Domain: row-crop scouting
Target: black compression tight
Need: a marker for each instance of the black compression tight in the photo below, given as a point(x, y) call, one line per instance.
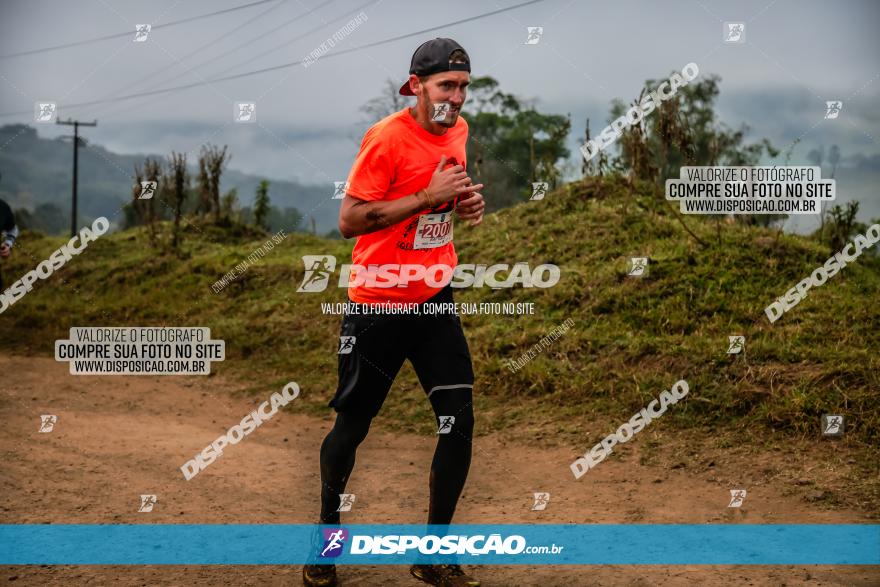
point(449, 469)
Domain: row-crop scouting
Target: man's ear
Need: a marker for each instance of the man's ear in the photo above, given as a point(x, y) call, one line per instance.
point(417, 87)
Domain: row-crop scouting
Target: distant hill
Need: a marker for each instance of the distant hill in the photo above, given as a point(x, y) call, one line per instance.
point(39, 170)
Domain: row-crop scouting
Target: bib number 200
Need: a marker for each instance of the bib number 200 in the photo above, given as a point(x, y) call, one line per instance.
point(436, 230)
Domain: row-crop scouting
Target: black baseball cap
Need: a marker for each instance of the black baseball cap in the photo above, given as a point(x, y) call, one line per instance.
point(433, 57)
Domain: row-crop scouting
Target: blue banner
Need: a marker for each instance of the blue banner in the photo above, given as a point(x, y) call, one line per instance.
point(473, 544)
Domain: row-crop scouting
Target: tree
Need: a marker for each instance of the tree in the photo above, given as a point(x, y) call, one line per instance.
point(177, 182)
point(145, 208)
point(816, 157)
point(840, 226)
point(389, 102)
point(598, 164)
point(684, 130)
point(510, 144)
point(215, 159)
point(204, 188)
point(229, 204)
point(261, 204)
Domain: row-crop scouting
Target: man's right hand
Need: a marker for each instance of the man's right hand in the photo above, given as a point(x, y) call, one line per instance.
point(5, 249)
point(447, 184)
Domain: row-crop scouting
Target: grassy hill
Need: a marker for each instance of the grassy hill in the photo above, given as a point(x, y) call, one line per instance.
point(632, 337)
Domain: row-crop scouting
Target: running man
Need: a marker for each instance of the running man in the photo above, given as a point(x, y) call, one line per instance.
point(406, 181)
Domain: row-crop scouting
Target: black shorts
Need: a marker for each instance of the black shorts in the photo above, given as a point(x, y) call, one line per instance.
point(434, 344)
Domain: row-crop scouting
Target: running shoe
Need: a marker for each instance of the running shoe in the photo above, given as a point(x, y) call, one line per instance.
point(443, 575)
point(319, 575)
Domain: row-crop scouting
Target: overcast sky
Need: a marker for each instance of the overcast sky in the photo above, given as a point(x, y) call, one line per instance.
point(796, 55)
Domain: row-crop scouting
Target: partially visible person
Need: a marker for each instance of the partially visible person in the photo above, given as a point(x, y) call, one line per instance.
point(8, 234)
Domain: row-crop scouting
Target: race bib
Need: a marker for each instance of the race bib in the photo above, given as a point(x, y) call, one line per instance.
point(434, 230)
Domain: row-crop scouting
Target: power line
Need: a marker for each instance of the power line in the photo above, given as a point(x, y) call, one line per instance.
point(287, 42)
point(149, 77)
point(130, 33)
point(123, 109)
point(248, 42)
point(287, 65)
point(252, 39)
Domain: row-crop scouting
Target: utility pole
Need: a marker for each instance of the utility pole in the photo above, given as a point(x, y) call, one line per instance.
point(76, 124)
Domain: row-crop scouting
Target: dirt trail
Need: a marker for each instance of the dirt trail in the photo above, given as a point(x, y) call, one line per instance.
point(122, 436)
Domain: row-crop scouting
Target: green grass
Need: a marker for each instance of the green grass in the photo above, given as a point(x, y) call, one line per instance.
point(632, 338)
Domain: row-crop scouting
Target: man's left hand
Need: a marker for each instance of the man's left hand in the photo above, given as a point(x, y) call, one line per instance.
point(471, 208)
point(5, 249)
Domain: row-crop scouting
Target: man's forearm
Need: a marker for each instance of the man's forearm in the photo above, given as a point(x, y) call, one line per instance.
point(367, 217)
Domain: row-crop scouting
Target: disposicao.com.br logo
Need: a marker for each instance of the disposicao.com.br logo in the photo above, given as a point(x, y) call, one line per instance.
point(334, 540)
point(55, 262)
point(320, 268)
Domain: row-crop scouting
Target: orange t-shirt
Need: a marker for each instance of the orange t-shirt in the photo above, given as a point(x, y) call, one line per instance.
point(397, 158)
